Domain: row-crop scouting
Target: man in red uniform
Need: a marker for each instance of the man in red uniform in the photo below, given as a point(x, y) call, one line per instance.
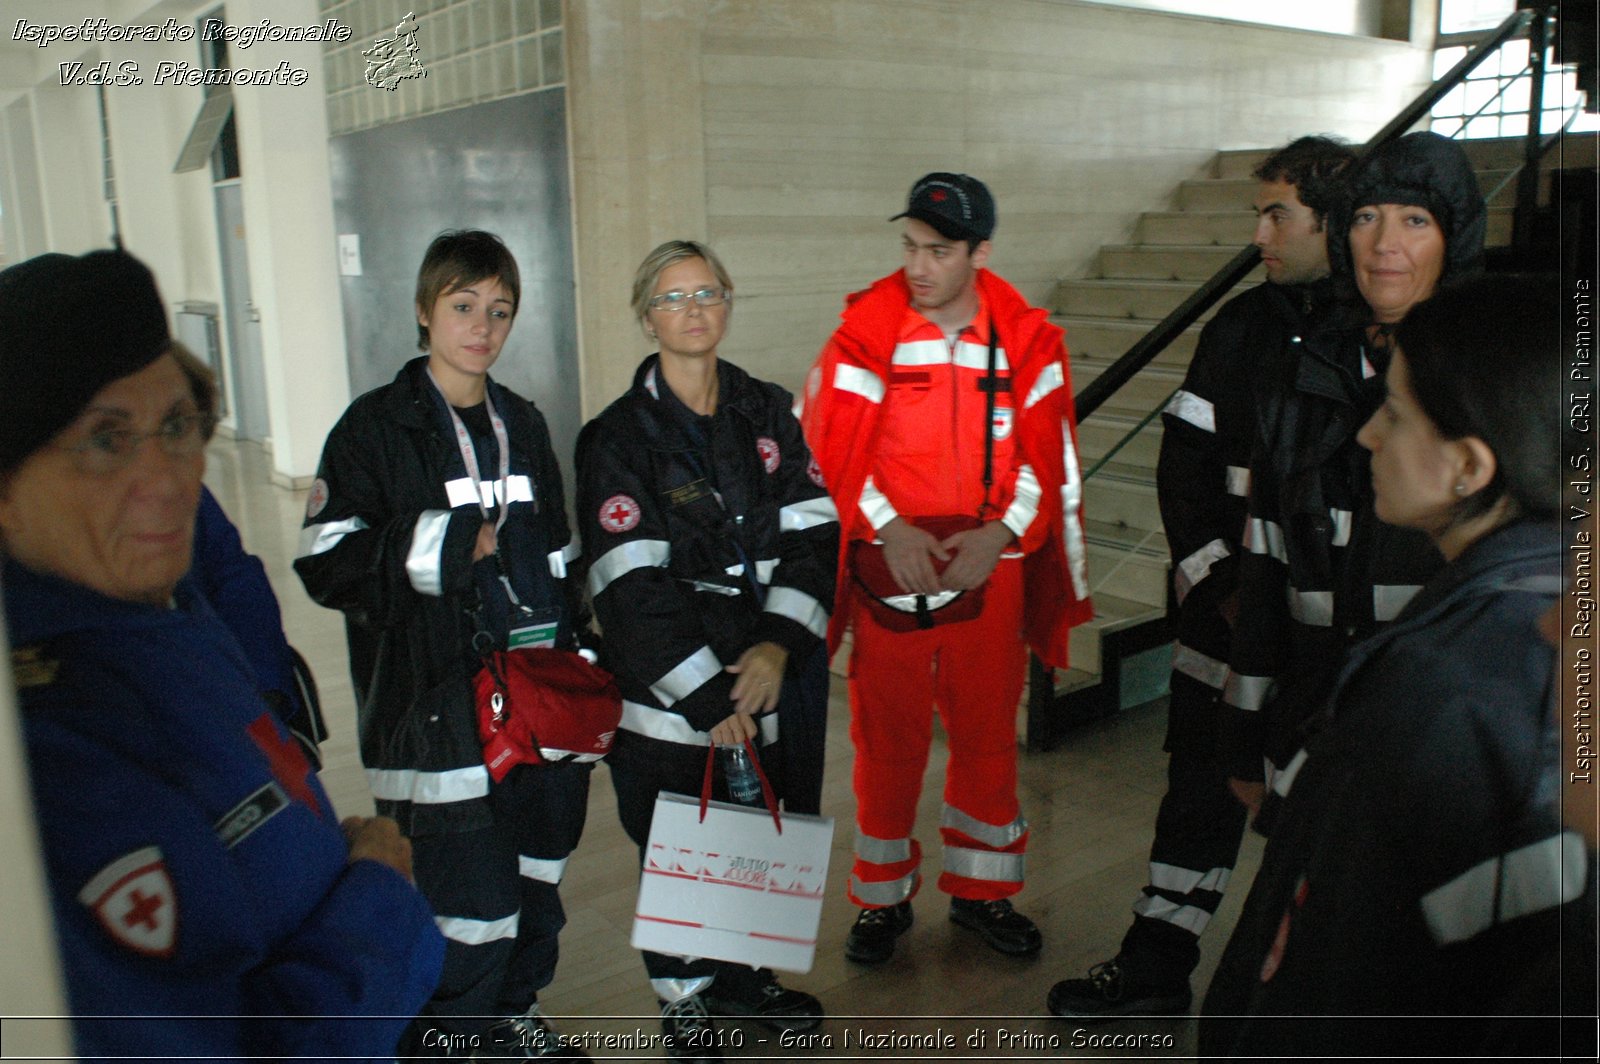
point(940, 414)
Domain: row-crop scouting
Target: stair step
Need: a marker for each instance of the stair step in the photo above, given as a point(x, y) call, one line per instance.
point(1074, 679)
point(1107, 429)
point(1239, 163)
point(1089, 336)
point(1149, 388)
point(1485, 154)
point(1111, 614)
point(1129, 563)
point(1230, 228)
point(1218, 194)
point(1152, 300)
point(1129, 501)
point(1168, 262)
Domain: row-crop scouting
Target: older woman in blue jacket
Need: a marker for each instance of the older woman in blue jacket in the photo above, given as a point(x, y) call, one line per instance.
point(208, 902)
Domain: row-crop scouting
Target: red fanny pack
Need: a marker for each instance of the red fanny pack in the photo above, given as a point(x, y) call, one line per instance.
point(537, 704)
point(902, 611)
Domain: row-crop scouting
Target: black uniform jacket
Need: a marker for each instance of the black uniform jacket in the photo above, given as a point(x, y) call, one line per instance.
point(388, 538)
point(1203, 479)
point(1319, 572)
point(702, 536)
point(1419, 866)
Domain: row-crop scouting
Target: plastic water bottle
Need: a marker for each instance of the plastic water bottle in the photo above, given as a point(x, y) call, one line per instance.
point(744, 786)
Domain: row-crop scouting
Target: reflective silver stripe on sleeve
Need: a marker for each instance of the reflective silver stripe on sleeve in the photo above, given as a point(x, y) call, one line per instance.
point(984, 864)
point(1198, 666)
point(1071, 503)
point(686, 677)
point(1543, 875)
point(1341, 527)
point(1284, 780)
point(1187, 406)
point(673, 728)
point(921, 353)
point(476, 932)
point(859, 381)
point(799, 516)
point(1189, 917)
point(424, 561)
point(460, 491)
point(1024, 502)
point(428, 788)
point(518, 488)
point(883, 894)
point(881, 851)
point(1197, 566)
point(560, 559)
point(1237, 480)
point(315, 539)
point(765, 567)
point(875, 505)
point(1049, 379)
point(1187, 880)
point(670, 990)
point(1246, 692)
point(541, 868)
point(976, 356)
point(1311, 607)
point(800, 608)
point(996, 835)
point(1389, 599)
point(1265, 537)
point(715, 589)
point(624, 558)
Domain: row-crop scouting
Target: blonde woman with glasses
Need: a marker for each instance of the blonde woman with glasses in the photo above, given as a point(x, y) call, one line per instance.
point(710, 546)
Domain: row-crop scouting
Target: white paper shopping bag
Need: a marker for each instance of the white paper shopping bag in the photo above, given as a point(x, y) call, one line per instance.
point(732, 888)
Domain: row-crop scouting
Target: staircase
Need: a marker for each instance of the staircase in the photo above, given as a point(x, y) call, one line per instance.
point(1123, 656)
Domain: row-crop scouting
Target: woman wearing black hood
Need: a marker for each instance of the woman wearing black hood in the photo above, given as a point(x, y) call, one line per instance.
point(1320, 572)
point(1415, 866)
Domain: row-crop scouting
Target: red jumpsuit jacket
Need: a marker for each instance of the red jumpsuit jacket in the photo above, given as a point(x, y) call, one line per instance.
point(841, 417)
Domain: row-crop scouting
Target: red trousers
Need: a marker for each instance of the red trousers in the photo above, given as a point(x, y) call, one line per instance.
point(972, 673)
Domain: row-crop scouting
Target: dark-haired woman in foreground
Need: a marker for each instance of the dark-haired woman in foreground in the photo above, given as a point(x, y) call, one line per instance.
point(1419, 864)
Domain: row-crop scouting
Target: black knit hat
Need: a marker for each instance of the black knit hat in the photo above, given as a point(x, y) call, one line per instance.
point(69, 327)
point(958, 206)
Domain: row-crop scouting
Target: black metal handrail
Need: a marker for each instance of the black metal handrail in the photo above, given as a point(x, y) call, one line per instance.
point(1152, 343)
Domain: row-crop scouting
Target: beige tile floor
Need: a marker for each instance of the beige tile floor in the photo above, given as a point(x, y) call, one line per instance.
point(1091, 804)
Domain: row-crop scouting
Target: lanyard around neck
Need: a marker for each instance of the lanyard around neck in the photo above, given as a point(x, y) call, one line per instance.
point(469, 458)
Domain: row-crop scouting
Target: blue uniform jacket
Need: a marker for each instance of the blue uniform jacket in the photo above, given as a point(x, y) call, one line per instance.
point(195, 866)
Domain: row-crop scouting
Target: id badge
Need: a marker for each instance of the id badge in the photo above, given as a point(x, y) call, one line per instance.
point(536, 628)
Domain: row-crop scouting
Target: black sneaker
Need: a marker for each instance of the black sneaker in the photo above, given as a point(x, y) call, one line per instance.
point(526, 1037)
point(871, 940)
point(1001, 926)
point(769, 1003)
point(690, 1032)
point(1107, 993)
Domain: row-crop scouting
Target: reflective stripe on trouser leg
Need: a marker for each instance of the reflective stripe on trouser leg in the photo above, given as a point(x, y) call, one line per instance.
point(470, 880)
point(885, 871)
point(1198, 831)
point(982, 860)
point(543, 808)
point(891, 727)
point(979, 670)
